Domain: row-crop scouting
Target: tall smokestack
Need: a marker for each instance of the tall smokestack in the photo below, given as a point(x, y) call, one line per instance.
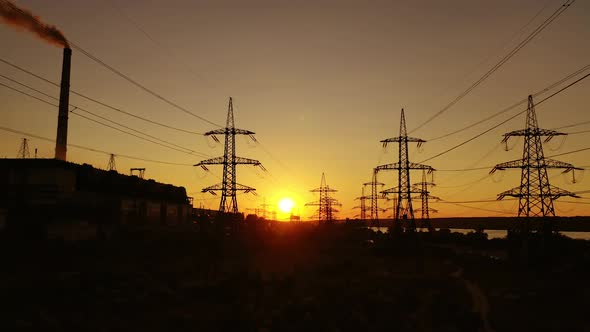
point(61, 142)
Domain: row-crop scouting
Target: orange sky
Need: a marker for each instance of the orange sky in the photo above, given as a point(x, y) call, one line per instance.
point(320, 82)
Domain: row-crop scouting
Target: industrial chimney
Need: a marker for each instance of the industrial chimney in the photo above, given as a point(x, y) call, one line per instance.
point(61, 142)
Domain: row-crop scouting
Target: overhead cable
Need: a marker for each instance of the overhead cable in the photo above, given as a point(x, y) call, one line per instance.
point(505, 121)
point(117, 109)
point(92, 149)
point(507, 57)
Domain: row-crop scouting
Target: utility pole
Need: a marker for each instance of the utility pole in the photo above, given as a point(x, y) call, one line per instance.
point(326, 203)
point(229, 187)
point(404, 212)
point(112, 166)
point(535, 194)
point(23, 151)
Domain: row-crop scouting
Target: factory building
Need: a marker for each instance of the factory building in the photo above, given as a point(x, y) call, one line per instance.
point(51, 196)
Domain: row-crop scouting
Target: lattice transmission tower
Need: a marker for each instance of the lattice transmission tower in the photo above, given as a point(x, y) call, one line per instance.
point(375, 197)
point(424, 197)
point(403, 210)
point(229, 187)
point(326, 203)
point(263, 210)
point(535, 194)
point(23, 151)
point(140, 171)
point(112, 165)
point(363, 205)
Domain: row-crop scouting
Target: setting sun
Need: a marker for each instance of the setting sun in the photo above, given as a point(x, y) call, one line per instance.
point(286, 204)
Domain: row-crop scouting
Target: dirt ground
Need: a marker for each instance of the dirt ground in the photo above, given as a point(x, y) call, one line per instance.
point(290, 278)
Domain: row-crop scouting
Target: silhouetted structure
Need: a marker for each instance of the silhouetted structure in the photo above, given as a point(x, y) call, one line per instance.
point(535, 194)
point(112, 166)
point(326, 203)
point(139, 170)
point(228, 186)
point(23, 151)
point(404, 209)
point(363, 206)
point(50, 195)
point(424, 198)
point(61, 141)
point(263, 211)
point(375, 197)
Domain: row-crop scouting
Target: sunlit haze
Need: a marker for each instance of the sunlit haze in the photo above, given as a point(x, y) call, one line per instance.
point(321, 83)
point(286, 205)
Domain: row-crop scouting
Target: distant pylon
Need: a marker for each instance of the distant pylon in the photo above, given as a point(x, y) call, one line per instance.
point(265, 207)
point(363, 206)
point(326, 203)
point(404, 210)
point(535, 194)
point(228, 186)
point(23, 151)
point(375, 197)
point(112, 166)
point(424, 198)
point(263, 210)
point(140, 171)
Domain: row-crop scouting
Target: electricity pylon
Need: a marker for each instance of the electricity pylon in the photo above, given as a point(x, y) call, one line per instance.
point(326, 203)
point(535, 194)
point(263, 210)
point(404, 210)
point(23, 151)
point(112, 166)
point(363, 205)
point(374, 197)
point(139, 170)
point(228, 186)
point(424, 197)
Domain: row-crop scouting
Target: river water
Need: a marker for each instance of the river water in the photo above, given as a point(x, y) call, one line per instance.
point(498, 234)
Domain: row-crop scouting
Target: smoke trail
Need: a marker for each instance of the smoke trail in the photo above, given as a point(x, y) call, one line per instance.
point(20, 18)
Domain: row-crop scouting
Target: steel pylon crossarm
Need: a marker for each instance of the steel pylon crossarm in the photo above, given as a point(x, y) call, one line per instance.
point(554, 192)
point(404, 193)
point(533, 132)
point(234, 131)
point(402, 139)
point(544, 163)
point(235, 161)
point(396, 166)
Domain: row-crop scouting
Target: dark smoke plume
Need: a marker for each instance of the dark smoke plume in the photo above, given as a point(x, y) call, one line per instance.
point(20, 18)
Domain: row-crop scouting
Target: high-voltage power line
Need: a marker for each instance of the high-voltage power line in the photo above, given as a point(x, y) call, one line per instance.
point(228, 186)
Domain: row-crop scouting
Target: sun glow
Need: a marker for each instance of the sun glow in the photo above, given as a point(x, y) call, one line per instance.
point(286, 205)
